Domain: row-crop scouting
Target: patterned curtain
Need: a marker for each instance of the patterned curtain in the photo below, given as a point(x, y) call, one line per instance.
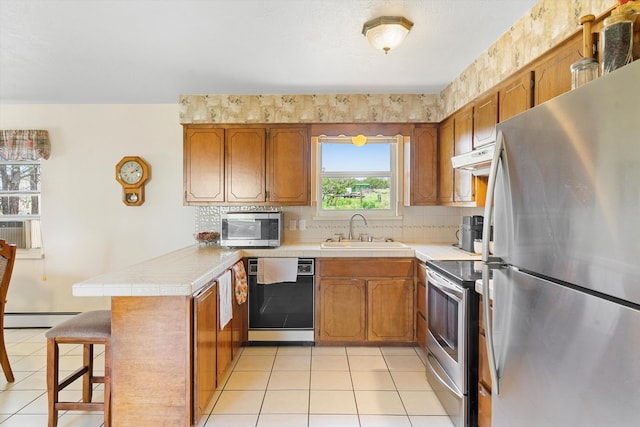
point(24, 145)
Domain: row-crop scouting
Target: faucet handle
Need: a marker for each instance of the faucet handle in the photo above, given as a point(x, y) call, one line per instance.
point(339, 236)
point(364, 237)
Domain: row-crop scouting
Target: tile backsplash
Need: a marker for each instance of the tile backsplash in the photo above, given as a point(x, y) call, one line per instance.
point(432, 224)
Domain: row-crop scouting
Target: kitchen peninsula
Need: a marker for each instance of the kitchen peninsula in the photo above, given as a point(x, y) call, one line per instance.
point(153, 322)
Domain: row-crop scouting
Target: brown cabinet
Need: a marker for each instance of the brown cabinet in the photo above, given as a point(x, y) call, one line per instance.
point(205, 326)
point(484, 375)
point(246, 165)
point(421, 306)
point(424, 166)
point(515, 95)
point(445, 186)
point(365, 300)
point(552, 72)
point(288, 166)
point(463, 143)
point(245, 152)
point(485, 118)
point(203, 165)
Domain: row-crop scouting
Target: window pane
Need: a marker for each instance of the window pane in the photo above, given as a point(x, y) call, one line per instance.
point(348, 157)
point(24, 234)
point(25, 204)
point(19, 177)
point(356, 193)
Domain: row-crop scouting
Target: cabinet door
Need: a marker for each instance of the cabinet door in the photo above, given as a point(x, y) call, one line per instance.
point(485, 117)
point(341, 307)
point(239, 324)
point(446, 170)
point(484, 407)
point(424, 166)
point(245, 165)
point(390, 310)
point(553, 76)
point(288, 166)
point(203, 165)
point(515, 95)
point(225, 344)
point(204, 353)
point(463, 143)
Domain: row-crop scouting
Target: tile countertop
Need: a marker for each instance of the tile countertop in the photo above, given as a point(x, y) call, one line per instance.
point(184, 271)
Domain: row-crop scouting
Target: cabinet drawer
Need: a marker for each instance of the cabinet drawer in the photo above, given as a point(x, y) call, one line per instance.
point(366, 267)
point(484, 375)
point(484, 407)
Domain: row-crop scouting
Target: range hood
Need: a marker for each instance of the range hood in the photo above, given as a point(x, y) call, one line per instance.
point(477, 161)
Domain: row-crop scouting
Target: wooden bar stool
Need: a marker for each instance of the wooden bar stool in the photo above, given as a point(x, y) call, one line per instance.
point(89, 328)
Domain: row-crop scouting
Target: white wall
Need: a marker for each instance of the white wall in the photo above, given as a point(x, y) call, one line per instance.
point(86, 228)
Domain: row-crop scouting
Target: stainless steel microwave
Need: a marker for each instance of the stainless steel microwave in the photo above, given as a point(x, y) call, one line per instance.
point(251, 229)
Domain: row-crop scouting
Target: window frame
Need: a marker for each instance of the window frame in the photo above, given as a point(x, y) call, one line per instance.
point(28, 252)
point(396, 144)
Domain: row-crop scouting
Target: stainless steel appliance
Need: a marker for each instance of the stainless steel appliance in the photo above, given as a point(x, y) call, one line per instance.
point(282, 312)
point(452, 338)
point(564, 347)
point(471, 230)
point(251, 229)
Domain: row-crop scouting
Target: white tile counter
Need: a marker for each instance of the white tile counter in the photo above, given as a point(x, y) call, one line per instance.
point(184, 271)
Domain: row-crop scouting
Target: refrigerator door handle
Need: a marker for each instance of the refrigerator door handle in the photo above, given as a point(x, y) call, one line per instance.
point(498, 156)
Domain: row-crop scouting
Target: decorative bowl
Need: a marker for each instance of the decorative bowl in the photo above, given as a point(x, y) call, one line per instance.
point(207, 237)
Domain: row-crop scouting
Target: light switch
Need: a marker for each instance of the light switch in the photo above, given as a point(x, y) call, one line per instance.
point(302, 224)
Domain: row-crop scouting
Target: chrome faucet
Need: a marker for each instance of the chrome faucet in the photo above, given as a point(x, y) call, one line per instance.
point(351, 223)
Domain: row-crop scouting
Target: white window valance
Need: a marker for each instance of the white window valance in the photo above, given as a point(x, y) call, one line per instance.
point(24, 145)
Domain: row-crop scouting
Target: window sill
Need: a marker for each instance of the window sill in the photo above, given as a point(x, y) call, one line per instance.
point(35, 253)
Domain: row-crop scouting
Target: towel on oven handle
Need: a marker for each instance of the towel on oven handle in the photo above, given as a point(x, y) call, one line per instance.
point(226, 303)
point(240, 282)
point(276, 270)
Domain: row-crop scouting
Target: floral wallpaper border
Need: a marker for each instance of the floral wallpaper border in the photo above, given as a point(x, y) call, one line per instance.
point(548, 23)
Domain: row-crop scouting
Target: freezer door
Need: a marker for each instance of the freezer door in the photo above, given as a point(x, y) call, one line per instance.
point(565, 358)
point(567, 200)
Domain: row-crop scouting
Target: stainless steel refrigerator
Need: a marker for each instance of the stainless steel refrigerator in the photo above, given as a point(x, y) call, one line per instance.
point(564, 201)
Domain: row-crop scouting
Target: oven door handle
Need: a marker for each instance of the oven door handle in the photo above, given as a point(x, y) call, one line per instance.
point(444, 379)
point(444, 285)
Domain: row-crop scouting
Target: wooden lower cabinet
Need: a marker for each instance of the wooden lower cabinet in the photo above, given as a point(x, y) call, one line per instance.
point(362, 300)
point(205, 326)
point(421, 306)
point(484, 376)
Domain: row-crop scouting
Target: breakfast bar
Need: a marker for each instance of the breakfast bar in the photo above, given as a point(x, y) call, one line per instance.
point(153, 322)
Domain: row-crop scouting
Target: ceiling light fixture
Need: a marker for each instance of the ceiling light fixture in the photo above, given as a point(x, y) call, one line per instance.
point(386, 32)
point(359, 140)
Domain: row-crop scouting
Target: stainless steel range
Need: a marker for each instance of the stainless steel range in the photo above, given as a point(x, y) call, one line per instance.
point(452, 338)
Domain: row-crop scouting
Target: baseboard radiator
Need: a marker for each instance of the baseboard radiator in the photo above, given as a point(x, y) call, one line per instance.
point(35, 320)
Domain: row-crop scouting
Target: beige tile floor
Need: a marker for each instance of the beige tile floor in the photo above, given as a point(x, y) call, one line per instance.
point(268, 386)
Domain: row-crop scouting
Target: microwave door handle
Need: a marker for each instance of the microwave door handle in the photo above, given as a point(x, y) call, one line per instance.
point(444, 286)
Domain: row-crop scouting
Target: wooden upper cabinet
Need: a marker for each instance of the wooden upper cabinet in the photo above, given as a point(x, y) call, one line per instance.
point(203, 165)
point(245, 165)
point(552, 74)
point(463, 143)
point(445, 185)
point(424, 166)
point(485, 118)
point(288, 166)
point(515, 95)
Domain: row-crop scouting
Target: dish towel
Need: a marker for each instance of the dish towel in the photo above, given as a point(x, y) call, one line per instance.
point(224, 287)
point(240, 282)
point(276, 270)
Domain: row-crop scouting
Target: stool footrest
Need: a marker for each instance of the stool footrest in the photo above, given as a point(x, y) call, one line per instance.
point(74, 376)
point(75, 406)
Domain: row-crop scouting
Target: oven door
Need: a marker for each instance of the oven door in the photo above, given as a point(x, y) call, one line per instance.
point(446, 338)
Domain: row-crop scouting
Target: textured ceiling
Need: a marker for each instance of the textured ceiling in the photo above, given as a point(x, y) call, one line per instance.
point(151, 51)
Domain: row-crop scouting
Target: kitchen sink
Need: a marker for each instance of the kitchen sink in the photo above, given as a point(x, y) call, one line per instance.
point(356, 244)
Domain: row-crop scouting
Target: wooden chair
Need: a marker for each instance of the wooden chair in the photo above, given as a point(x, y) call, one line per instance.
point(88, 329)
point(7, 258)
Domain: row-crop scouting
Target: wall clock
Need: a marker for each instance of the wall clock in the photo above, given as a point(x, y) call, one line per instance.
point(132, 173)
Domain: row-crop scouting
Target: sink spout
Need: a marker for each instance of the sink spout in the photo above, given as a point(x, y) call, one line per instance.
point(351, 223)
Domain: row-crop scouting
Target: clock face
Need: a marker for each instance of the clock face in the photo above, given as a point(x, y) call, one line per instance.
point(131, 172)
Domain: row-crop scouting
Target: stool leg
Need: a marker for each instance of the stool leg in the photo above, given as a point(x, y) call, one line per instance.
point(87, 383)
point(52, 381)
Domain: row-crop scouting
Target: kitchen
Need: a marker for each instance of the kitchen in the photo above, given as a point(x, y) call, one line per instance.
point(120, 250)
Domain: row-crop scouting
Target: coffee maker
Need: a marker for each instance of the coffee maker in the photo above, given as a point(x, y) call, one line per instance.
point(471, 229)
